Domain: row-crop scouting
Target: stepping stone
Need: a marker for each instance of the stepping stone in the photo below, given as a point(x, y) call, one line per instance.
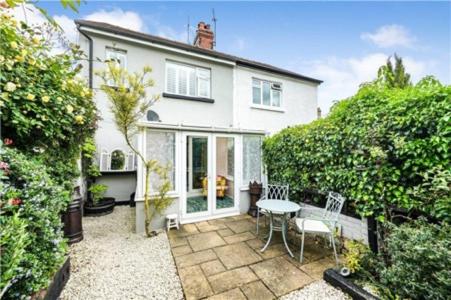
point(195, 284)
point(241, 226)
point(205, 240)
point(195, 258)
point(280, 275)
point(241, 237)
point(257, 290)
point(225, 232)
point(185, 230)
point(212, 267)
point(234, 294)
point(178, 251)
point(237, 255)
point(231, 279)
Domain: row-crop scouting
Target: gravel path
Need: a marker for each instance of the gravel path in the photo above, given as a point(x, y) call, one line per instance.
point(319, 290)
point(112, 262)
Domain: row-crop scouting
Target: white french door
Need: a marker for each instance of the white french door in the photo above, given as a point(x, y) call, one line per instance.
point(209, 175)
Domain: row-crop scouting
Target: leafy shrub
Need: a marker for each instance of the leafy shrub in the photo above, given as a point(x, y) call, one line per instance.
point(46, 109)
point(416, 262)
point(355, 251)
point(32, 242)
point(378, 148)
point(97, 192)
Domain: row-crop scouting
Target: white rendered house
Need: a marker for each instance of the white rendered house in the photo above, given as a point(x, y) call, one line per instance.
point(208, 126)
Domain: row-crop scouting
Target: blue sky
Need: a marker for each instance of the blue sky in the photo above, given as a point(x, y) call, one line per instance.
point(341, 43)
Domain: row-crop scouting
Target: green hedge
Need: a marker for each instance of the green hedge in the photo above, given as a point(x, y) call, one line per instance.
point(31, 242)
point(380, 148)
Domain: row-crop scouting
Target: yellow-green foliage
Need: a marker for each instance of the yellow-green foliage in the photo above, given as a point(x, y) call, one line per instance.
point(129, 102)
point(354, 254)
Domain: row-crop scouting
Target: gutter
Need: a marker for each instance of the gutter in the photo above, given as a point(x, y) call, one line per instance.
point(90, 55)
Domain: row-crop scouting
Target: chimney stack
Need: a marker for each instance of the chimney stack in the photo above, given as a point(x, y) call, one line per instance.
point(204, 36)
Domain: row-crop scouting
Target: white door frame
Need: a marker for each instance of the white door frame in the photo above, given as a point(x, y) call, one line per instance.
point(211, 212)
point(236, 190)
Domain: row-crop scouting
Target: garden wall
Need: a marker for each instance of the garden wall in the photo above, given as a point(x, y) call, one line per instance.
point(351, 228)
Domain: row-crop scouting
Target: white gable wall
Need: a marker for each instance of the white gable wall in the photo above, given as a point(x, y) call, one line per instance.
point(299, 102)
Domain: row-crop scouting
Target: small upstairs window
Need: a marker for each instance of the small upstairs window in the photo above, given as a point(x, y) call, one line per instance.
point(187, 80)
point(117, 55)
point(266, 93)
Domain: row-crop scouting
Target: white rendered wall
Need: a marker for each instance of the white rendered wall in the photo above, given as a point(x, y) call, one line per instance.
point(299, 102)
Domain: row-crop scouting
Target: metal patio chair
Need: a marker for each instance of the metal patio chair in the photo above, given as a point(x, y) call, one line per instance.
point(273, 192)
point(323, 222)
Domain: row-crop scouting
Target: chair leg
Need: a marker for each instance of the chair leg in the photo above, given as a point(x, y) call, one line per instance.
point(302, 247)
point(258, 218)
point(335, 250)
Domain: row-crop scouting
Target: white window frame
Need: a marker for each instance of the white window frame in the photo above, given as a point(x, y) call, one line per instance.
point(198, 71)
point(111, 53)
point(271, 105)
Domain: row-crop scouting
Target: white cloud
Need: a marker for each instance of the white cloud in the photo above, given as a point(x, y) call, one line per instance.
point(390, 36)
point(127, 19)
point(29, 14)
point(343, 76)
point(68, 26)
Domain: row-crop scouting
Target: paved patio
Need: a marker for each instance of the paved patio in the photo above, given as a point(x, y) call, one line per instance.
point(221, 259)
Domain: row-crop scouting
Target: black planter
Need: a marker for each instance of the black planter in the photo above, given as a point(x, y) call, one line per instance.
point(72, 219)
point(255, 192)
point(57, 284)
point(103, 207)
point(356, 292)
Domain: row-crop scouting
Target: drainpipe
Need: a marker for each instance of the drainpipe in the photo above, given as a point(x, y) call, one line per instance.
point(90, 55)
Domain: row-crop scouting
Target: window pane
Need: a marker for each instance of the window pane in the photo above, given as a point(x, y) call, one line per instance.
point(161, 147)
point(171, 80)
point(192, 82)
point(182, 82)
point(266, 93)
point(251, 159)
point(275, 98)
point(204, 88)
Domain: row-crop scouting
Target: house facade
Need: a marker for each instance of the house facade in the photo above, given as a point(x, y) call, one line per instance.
point(207, 128)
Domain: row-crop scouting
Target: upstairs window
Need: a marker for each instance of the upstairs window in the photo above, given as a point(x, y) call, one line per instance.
point(266, 93)
point(117, 55)
point(187, 80)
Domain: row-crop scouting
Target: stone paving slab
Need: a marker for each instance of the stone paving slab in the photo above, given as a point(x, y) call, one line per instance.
point(205, 240)
point(195, 284)
point(237, 255)
point(257, 291)
point(231, 279)
point(234, 294)
point(224, 254)
point(195, 258)
point(280, 275)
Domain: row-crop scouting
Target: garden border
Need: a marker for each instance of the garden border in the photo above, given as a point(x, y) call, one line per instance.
point(356, 292)
point(57, 285)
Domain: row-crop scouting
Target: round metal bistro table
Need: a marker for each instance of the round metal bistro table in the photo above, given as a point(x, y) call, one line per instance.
point(282, 208)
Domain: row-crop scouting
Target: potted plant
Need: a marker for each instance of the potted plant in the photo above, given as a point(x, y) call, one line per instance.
point(97, 204)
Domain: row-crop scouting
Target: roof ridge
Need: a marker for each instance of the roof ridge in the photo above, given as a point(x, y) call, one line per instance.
point(174, 43)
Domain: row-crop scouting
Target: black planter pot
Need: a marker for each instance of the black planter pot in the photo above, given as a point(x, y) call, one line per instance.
point(103, 207)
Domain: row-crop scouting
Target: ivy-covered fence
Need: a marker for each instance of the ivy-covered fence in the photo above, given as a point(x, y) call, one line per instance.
point(381, 148)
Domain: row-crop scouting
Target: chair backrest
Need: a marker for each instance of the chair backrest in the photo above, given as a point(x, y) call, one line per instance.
point(333, 207)
point(276, 192)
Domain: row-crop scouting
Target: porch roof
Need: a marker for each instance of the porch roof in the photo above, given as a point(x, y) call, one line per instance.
point(200, 128)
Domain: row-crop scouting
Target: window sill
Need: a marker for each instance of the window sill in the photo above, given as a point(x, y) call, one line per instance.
point(270, 108)
point(190, 98)
point(117, 172)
